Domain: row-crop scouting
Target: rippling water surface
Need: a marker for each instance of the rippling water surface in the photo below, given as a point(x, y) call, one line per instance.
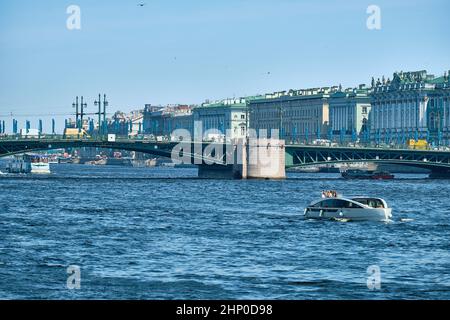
point(140, 233)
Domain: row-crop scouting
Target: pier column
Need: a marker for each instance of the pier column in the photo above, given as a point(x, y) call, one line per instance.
point(257, 159)
point(266, 159)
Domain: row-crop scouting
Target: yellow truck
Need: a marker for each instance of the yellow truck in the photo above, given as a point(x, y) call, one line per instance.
point(418, 145)
point(74, 133)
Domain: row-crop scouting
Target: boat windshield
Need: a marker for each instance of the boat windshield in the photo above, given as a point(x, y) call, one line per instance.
point(371, 202)
point(336, 203)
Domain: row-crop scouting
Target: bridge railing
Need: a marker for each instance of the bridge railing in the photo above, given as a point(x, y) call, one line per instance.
point(15, 137)
point(59, 137)
point(373, 145)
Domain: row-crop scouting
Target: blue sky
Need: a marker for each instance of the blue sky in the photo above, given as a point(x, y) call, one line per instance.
point(173, 51)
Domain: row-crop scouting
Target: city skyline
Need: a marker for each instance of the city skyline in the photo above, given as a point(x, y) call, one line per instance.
point(166, 54)
point(46, 120)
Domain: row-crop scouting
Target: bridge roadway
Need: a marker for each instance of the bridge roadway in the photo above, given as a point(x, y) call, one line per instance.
point(295, 155)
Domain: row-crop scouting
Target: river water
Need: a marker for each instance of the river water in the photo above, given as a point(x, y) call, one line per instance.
point(141, 233)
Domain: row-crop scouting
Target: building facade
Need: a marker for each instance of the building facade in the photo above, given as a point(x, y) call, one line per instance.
point(349, 113)
point(162, 121)
point(414, 105)
point(298, 115)
point(130, 124)
point(154, 120)
point(221, 120)
point(438, 112)
point(180, 117)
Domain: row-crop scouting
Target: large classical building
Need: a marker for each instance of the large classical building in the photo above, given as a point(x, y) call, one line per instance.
point(412, 105)
point(349, 113)
point(298, 115)
point(225, 119)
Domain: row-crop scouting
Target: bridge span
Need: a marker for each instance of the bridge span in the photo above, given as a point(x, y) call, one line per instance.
point(301, 155)
point(218, 160)
point(235, 158)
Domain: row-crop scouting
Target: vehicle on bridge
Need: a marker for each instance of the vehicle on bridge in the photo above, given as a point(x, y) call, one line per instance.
point(323, 142)
point(75, 133)
point(349, 209)
point(29, 133)
point(418, 145)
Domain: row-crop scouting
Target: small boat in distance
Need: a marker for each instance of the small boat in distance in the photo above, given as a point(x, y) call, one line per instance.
point(366, 174)
point(29, 163)
point(336, 207)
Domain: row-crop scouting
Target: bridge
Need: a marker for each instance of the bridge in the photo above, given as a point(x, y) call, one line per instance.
point(15, 145)
point(218, 159)
point(438, 161)
point(213, 159)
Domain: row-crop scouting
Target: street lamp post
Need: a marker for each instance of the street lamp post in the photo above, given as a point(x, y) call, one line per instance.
point(83, 106)
point(105, 104)
point(101, 128)
point(75, 105)
point(99, 104)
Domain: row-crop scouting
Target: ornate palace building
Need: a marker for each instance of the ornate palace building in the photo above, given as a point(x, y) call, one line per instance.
point(413, 105)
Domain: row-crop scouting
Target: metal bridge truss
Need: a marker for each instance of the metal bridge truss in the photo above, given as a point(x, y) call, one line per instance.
point(305, 156)
point(195, 153)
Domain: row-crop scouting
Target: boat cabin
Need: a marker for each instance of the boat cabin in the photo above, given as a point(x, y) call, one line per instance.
point(353, 203)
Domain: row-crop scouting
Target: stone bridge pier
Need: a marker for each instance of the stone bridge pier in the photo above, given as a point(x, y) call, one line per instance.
point(250, 159)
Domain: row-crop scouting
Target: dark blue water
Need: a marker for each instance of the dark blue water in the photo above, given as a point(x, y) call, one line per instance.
point(163, 234)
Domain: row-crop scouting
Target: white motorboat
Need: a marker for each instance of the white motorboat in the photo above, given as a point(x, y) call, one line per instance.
point(337, 207)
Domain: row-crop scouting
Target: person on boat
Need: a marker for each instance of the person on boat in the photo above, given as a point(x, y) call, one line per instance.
point(329, 194)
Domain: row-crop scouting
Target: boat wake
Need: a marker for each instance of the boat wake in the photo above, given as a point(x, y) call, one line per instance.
point(341, 220)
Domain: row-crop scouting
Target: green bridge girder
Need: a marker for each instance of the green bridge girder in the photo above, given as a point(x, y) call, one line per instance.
point(197, 154)
point(301, 156)
point(296, 155)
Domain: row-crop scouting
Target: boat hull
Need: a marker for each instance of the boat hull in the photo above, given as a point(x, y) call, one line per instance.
point(367, 175)
point(40, 168)
point(353, 214)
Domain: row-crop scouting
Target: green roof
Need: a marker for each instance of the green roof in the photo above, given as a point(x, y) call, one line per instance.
point(438, 80)
point(224, 103)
